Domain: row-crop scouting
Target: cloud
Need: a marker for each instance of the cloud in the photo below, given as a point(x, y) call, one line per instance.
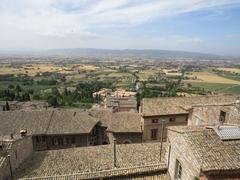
point(62, 19)
point(232, 36)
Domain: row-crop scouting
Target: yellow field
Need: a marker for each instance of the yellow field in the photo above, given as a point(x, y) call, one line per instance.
point(115, 74)
point(87, 67)
point(145, 74)
point(210, 78)
point(230, 69)
point(30, 70)
point(33, 69)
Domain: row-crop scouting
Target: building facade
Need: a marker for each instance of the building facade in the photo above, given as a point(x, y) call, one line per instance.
point(153, 125)
point(207, 153)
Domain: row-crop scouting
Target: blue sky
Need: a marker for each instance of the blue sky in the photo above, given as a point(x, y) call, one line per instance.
point(211, 26)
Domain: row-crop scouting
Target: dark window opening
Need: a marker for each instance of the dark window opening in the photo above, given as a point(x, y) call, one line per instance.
point(154, 134)
point(154, 120)
point(67, 140)
point(53, 141)
point(37, 139)
point(73, 140)
point(60, 141)
point(222, 117)
point(178, 170)
point(43, 139)
point(172, 119)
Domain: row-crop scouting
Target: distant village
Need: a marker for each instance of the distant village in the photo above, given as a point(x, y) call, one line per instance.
point(160, 138)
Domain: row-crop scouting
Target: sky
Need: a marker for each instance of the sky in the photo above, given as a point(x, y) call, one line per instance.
point(209, 26)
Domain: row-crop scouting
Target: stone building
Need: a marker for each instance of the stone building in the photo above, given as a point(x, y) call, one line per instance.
point(175, 111)
point(125, 127)
point(207, 153)
point(121, 104)
point(54, 129)
point(214, 114)
point(14, 151)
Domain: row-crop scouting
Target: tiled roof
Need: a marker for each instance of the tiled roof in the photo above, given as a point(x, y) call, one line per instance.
point(119, 121)
point(121, 101)
point(180, 105)
point(126, 122)
point(88, 159)
point(211, 152)
point(46, 122)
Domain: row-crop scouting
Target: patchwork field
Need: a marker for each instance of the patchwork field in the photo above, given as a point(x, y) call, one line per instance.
point(33, 69)
point(218, 87)
point(234, 70)
point(208, 77)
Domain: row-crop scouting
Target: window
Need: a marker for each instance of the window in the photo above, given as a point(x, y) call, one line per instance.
point(222, 116)
point(67, 140)
point(178, 170)
point(54, 142)
point(73, 140)
point(43, 139)
point(154, 134)
point(154, 120)
point(172, 119)
point(37, 139)
point(60, 141)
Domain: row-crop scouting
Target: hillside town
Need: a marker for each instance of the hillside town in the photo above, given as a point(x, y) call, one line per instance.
point(162, 138)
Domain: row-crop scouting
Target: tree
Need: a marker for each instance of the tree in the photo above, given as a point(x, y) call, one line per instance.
point(11, 86)
point(52, 100)
point(18, 89)
point(26, 97)
point(7, 107)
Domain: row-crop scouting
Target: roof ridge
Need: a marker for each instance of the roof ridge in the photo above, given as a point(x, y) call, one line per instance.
point(50, 120)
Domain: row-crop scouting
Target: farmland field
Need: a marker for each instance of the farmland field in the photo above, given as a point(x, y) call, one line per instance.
point(218, 87)
point(208, 77)
point(234, 70)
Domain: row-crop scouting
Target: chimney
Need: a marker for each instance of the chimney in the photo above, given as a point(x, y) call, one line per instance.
point(11, 136)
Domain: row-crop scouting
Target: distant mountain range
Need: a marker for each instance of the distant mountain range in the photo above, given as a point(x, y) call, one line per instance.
point(151, 53)
point(144, 53)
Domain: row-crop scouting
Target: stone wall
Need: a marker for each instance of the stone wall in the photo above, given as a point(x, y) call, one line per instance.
point(178, 150)
point(19, 151)
point(4, 168)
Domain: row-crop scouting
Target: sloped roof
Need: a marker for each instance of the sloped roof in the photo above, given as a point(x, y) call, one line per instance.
point(121, 101)
point(180, 105)
point(89, 159)
point(71, 122)
point(119, 121)
point(126, 122)
point(211, 152)
point(46, 122)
